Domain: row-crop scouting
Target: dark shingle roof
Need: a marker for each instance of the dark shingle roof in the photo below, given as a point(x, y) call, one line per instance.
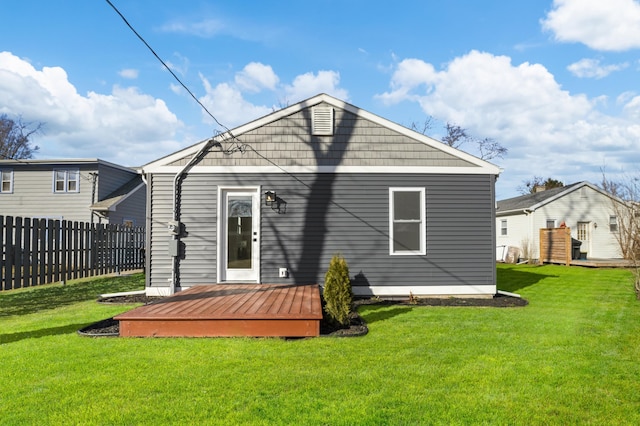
point(526, 201)
point(118, 195)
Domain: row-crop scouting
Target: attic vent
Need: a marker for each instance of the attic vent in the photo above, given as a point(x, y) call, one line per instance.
point(322, 120)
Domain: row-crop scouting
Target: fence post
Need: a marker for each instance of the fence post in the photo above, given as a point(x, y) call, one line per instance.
point(2, 250)
point(8, 252)
point(35, 250)
point(17, 254)
point(27, 261)
point(55, 229)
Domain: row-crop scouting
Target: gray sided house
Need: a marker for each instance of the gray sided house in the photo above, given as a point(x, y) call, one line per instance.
point(273, 200)
point(83, 190)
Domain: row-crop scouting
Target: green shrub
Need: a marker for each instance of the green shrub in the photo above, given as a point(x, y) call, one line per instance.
point(337, 291)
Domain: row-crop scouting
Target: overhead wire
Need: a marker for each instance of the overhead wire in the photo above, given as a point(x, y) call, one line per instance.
point(239, 146)
point(166, 66)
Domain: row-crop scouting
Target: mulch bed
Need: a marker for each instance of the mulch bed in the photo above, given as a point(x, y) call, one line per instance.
point(358, 327)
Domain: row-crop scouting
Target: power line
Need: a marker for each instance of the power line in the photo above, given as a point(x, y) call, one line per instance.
point(167, 67)
point(239, 145)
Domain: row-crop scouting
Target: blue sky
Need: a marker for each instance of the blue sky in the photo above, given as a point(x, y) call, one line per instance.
point(554, 81)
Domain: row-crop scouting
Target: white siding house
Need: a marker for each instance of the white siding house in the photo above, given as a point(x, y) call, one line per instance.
point(583, 207)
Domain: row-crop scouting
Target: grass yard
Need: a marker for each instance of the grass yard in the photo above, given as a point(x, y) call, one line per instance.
point(572, 356)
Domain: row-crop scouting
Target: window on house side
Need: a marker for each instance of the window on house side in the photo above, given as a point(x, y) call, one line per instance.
point(407, 226)
point(551, 223)
point(503, 227)
point(66, 181)
point(6, 181)
point(613, 223)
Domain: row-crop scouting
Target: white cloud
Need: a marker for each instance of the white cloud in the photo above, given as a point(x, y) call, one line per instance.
point(591, 68)
point(125, 126)
point(128, 73)
point(181, 66)
point(256, 76)
point(612, 25)
point(306, 85)
point(205, 28)
point(229, 104)
point(548, 131)
point(632, 109)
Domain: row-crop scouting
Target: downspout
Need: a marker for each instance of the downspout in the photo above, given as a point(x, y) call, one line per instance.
point(94, 180)
point(176, 208)
point(534, 247)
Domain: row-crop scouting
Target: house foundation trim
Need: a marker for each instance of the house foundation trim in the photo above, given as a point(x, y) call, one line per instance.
point(393, 291)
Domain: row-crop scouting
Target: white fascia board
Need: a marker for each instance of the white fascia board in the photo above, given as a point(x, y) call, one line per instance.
point(239, 131)
point(70, 162)
point(512, 212)
point(322, 169)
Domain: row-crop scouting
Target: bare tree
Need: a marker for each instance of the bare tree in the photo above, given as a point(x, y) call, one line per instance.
point(626, 207)
point(529, 186)
point(15, 137)
point(456, 136)
point(424, 127)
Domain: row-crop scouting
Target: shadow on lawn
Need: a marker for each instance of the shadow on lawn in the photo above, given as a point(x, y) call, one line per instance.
point(52, 296)
point(373, 313)
point(44, 332)
point(512, 279)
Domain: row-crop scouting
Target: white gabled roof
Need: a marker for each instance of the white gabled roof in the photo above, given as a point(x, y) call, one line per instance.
point(486, 167)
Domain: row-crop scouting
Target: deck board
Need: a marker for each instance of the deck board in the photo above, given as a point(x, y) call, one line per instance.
point(229, 310)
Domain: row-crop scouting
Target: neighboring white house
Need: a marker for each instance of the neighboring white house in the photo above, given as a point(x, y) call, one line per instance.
point(583, 207)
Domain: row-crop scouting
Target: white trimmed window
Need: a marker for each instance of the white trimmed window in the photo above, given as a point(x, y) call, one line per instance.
point(503, 227)
point(6, 181)
point(407, 224)
point(66, 181)
point(613, 223)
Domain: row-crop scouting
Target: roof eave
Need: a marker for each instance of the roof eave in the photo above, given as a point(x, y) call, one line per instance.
point(277, 115)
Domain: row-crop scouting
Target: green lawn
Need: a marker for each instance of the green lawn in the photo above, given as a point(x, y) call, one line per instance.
point(572, 356)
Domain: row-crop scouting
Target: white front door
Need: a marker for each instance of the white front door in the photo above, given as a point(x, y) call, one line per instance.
point(239, 233)
point(584, 235)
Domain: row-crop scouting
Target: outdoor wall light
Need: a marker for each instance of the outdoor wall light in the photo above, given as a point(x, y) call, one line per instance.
point(270, 197)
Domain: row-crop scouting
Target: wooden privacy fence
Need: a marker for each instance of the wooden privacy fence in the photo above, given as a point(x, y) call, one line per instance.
point(555, 245)
point(43, 251)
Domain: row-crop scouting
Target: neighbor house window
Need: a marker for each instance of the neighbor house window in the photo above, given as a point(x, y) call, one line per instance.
point(407, 225)
point(6, 181)
point(66, 181)
point(613, 223)
point(551, 223)
point(503, 227)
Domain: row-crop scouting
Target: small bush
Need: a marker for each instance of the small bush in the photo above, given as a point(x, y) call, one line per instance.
point(337, 291)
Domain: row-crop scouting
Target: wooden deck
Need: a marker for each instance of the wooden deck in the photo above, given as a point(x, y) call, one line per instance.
point(224, 310)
